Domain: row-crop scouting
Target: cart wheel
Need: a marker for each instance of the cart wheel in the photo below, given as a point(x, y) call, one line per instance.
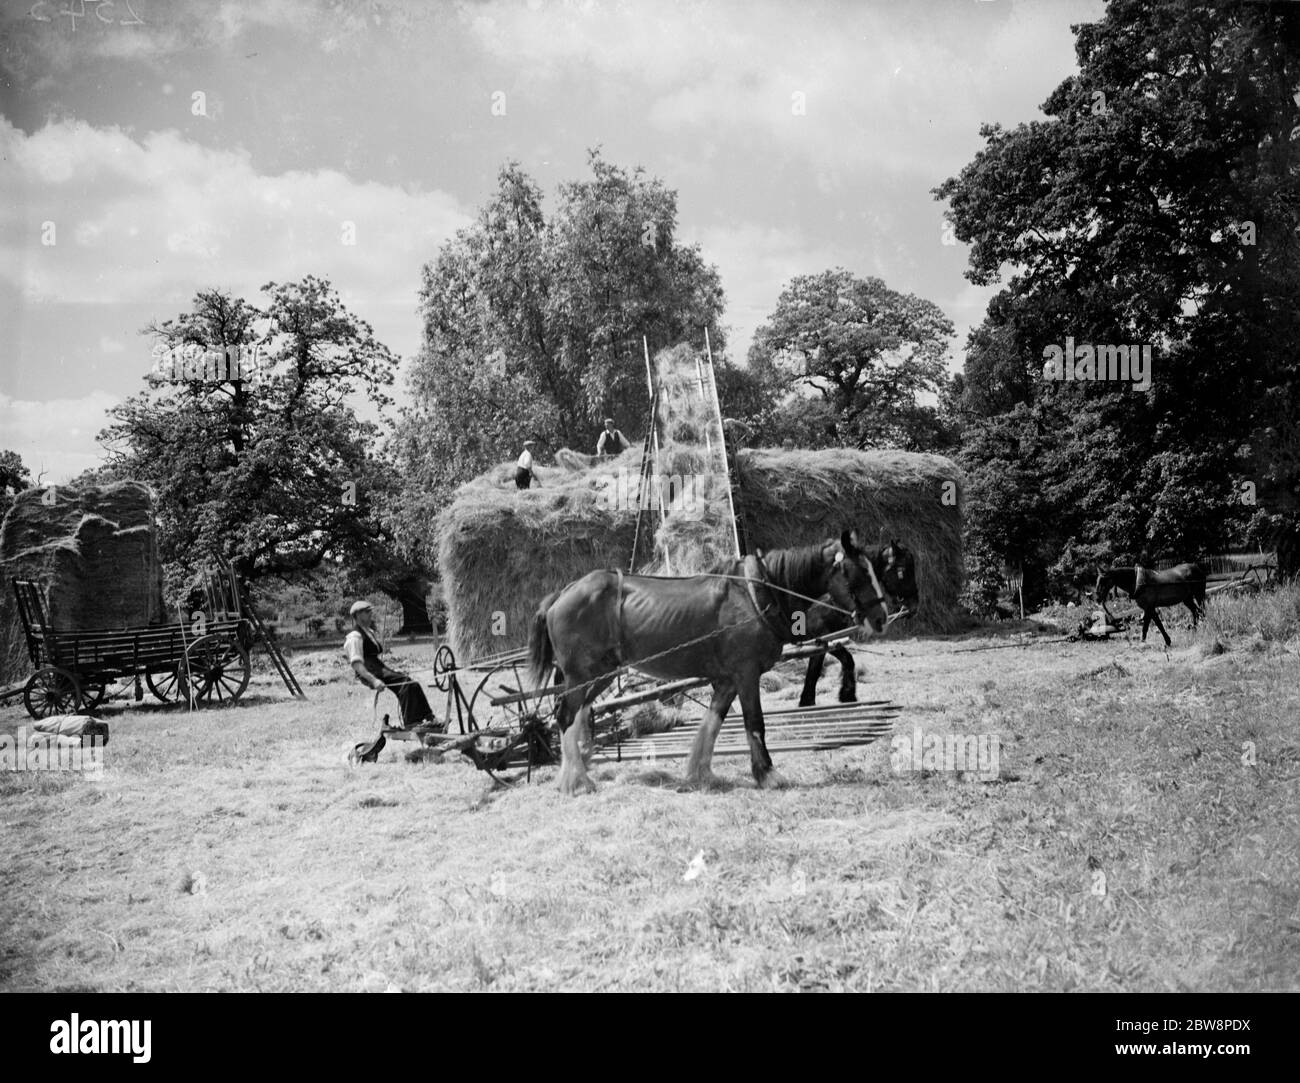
point(444, 662)
point(51, 691)
point(93, 693)
point(509, 678)
point(168, 687)
point(216, 669)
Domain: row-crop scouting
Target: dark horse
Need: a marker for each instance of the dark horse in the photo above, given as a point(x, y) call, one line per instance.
point(728, 626)
point(1183, 584)
point(895, 567)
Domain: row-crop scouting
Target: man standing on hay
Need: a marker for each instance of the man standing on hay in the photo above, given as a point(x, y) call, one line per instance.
point(612, 441)
point(524, 475)
point(362, 649)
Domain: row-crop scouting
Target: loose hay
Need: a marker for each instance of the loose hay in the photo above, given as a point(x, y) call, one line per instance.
point(502, 550)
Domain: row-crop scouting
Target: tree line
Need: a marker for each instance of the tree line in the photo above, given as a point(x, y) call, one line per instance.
point(1154, 206)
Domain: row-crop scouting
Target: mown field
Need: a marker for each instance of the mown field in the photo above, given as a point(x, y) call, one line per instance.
point(1128, 844)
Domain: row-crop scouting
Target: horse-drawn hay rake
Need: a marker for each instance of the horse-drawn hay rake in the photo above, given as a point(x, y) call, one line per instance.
point(503, 725)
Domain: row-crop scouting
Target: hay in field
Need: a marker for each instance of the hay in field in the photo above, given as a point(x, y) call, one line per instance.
point(94, 550)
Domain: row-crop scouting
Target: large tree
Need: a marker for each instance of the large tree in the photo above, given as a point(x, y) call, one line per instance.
point(14, 478)
point(267, 464)
point(855, 360)
point(534, 325)
point(1157, 205)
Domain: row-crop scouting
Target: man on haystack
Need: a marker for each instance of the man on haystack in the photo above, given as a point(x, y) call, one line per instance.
point(612, 442)
point(524, 476)
point(362, 649)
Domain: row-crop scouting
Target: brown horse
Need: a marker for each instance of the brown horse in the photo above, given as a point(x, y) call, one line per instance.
point(895, 567)
point(1183, 584)
point(728, 626)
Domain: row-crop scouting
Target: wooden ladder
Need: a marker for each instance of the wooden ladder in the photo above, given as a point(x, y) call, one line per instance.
point(225, 588)
point(645, 509)
point(727, 457)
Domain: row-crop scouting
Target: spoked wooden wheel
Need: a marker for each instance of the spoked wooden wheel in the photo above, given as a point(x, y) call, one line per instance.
point(169, 687)
point(93, 692)
point(50, 691)
point(524, 723)
point(444, 664)
point(508, 680)
point(217, 670)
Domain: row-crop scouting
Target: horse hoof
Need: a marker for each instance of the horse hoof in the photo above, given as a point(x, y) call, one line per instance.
point(575, 786)
point(703, 782)
point(773, 780)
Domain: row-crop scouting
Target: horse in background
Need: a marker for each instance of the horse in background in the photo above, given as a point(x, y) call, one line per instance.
point(1183, 584)
point(728, 626)
point(895, 567)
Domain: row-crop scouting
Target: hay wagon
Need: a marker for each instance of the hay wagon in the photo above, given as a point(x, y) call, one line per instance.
point(503, 725)
point(204, 664)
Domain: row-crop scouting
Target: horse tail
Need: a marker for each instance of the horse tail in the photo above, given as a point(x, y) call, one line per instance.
point(541, 652)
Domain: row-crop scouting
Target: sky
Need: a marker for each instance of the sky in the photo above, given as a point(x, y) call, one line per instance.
point(151, 149)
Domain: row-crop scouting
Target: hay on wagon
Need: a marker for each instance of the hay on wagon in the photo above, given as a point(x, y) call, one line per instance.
point(95, 552)
point(502, 550)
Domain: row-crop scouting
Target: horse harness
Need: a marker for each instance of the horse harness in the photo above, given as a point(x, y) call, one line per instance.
point(753, 564)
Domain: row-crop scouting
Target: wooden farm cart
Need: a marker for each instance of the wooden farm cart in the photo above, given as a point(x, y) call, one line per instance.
point(203, 664)
point(503, 725)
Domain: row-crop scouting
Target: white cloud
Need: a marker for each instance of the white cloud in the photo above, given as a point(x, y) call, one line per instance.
point(56, 436)
point(756, 263)
point(158, 219)
point(111, 345)
point(885, 85)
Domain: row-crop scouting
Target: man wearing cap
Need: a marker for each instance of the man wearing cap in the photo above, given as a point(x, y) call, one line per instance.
point(524, 467)
point(362, 649)
point(611, 442)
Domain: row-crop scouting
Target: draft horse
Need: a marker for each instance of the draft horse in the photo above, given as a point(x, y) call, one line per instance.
point(728, 626)
point(895, 567)
point(1183, 584)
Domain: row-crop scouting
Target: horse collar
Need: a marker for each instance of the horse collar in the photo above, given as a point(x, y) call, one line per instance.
point(782, 633)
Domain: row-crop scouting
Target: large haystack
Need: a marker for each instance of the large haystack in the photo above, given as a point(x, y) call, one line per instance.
point(501, 550)
point(94, 549)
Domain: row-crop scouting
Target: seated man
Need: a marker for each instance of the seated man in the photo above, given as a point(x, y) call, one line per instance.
point(362, 649)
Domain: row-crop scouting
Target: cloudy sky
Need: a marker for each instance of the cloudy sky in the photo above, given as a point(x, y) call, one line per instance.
point(150, 149)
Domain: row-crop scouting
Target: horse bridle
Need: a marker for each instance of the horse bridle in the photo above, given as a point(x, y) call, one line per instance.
point(785, 631)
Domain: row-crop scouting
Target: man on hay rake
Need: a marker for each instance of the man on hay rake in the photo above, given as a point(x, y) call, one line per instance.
point(363, 648)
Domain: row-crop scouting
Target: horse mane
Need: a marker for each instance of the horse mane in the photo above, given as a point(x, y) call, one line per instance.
point(791, 566)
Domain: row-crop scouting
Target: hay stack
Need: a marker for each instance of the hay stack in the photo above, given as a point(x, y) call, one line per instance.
point(96, 552)
point(792, 498)
point(501, 550)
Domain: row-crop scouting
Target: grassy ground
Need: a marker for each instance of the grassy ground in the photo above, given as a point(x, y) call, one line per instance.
point(1126, 845)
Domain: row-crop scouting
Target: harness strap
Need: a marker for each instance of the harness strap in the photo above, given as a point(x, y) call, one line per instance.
point(622, 647)
point(754, 561)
